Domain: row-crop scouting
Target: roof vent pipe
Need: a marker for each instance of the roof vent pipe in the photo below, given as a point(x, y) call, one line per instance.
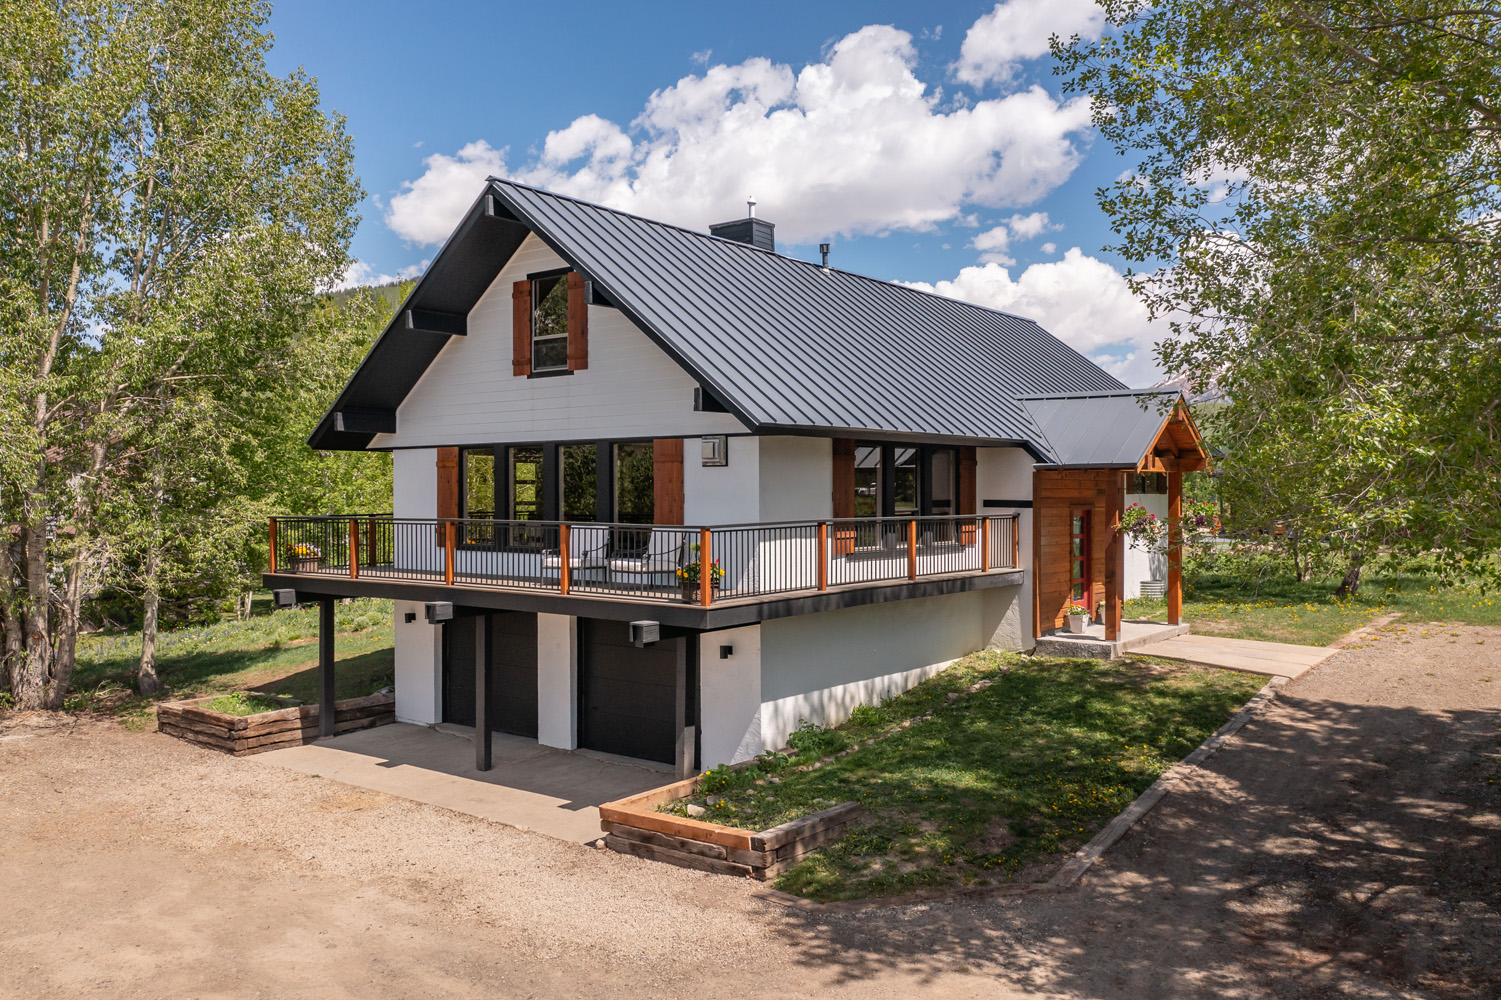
point(823, 248)
point(750, 204)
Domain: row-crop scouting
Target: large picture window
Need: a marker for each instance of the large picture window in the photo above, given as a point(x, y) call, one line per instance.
point(635, 497)
point(867, 481)
point(550, 323)
point(477, 497)
point(906, 482)
point(943, 475)
point(578, 481)
point(526, 484)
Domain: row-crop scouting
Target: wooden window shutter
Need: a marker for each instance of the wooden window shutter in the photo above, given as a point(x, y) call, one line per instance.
point(448, 486)
point(521, 328)
point(844, 494)
point(578, 324)
point(667, 480)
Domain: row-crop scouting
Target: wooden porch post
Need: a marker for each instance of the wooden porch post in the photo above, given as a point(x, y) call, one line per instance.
point(326, 667)
point(1115, 554)
point(273, 545)
point(1175, 547)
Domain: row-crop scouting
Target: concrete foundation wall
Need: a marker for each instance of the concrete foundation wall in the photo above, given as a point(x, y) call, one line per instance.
point(819, 667)
point(730, 696)
point(419, 667)
point(557, 681)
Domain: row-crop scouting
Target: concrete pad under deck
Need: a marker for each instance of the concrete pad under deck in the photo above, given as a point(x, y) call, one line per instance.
point(1092, 644)
point(1273, 659)
point(533, 787)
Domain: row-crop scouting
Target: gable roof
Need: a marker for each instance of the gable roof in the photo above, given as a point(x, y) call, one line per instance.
point(1108, 430)
point(785, 344)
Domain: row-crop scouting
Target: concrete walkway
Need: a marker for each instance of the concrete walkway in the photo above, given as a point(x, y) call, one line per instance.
point(532, 787)
point(1274, 659)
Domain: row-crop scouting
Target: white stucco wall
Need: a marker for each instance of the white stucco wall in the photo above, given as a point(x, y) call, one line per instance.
point(729, 696)
point(419, 667)
point(819, 667)
point(1006, 474)
point(722, 494)
point(557, 681)
point(797, 478)
point(414, 483)
point(1143, 563)
point(469, 396)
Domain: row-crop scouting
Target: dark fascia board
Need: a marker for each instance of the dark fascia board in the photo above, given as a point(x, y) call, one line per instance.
point(451, 285)
point(899, 437)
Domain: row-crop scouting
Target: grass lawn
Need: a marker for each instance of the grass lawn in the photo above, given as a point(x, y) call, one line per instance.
point(1283, 610)
point(273, 652)
point(999, 779)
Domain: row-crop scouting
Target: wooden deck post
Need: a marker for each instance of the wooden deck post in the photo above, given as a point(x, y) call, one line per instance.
point(450, 530)
point(354, 548)
point(1115, 555)
point(912, 549)
point(984, 545)
point(705, 569)
point(482, 738)
point(326, 718)
point(565, 574)
point(1174, 547)
point(1016, 541)
point(823, 555)
point(273, 545)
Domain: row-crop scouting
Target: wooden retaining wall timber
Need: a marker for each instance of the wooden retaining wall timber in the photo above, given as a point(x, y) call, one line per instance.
point(633, 826)
point(242, 735)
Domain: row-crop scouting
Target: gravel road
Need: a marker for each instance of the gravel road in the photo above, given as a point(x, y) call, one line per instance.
point(1347, 843)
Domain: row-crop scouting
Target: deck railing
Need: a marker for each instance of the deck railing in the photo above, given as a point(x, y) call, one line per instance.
point(645, 561)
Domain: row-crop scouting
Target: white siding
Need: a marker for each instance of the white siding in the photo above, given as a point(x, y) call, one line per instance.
point(1006, 474)
point(722, 494)
point(469, 396)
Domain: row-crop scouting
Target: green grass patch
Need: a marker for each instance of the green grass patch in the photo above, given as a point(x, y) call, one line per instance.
point(273, 653)
point(1280, 609)
point(997, 780)
point(241, 703)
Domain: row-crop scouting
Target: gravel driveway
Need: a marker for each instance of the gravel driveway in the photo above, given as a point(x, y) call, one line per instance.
point(1345, 844)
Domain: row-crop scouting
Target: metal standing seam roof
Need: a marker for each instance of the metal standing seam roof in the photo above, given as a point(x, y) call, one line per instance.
point(786, 344)
point(1097, 430)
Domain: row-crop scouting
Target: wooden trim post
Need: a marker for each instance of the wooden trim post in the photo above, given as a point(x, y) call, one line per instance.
point(1016, 541)
point(354, 548)
point(984, 545)
point(326, 709)
point(1115, 554)
point(823, 555)
point(273, 544)
point(912, 549)
point(705, 569)
point(1175, 547)
point(565, 572)
point(450, 533)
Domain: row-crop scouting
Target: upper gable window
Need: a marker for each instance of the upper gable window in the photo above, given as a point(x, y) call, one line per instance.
point(550, 323)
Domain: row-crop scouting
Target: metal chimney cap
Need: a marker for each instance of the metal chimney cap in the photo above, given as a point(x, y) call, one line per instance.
point(750, 204)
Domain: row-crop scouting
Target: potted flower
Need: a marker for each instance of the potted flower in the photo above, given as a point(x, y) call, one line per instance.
point(305, 557)
point(1078, 618)
point(688, 579)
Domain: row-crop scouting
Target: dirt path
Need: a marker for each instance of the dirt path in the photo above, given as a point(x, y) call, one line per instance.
point(1345, 844)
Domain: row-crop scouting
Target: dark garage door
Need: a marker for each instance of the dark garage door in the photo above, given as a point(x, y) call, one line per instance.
point(513, 677)
point(628, 696)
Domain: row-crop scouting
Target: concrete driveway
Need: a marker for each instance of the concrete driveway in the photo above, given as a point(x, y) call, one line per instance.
point(528, 786)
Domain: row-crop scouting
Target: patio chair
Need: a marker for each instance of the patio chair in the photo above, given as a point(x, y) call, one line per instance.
point(657, 564)
point(586, 550)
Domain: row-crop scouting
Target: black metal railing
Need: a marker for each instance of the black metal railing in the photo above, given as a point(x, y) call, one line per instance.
point(645, 561)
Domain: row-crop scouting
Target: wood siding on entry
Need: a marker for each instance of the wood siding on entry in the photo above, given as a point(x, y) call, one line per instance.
point(667, 480)
point(1056, 494)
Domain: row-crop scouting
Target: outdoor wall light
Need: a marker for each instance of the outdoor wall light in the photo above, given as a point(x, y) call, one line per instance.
point(410, 617)
point(725, 652)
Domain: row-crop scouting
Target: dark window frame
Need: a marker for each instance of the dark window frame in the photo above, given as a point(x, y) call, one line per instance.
point(551, 371)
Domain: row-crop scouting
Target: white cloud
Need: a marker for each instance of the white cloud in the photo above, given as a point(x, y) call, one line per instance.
point(429, 207)
point(993, 245)
point(1082, 300)
point(1024, 227)
point(358, 274)
point(853, 144)
point(1049, 248)
point(1018, 30)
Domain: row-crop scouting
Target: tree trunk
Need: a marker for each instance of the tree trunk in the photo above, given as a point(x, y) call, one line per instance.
point(29, 686)
point(146, 678)
point(1351, 582)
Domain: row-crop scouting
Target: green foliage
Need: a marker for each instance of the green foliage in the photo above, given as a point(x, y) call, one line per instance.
point(1028, 767)
point(1313, 201)
point(240, 703)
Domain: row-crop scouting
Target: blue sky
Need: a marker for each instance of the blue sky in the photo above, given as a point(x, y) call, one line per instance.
point(930, 144)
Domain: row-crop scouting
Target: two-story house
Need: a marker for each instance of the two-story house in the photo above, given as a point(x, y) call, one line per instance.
point(808, 489)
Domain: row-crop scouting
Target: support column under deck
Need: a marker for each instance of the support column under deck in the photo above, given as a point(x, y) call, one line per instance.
point(1175, 548)
point(1115, 556)
point(326, 719)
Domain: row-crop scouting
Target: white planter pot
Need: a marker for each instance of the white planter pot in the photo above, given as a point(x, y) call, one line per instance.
point(1078, 623)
